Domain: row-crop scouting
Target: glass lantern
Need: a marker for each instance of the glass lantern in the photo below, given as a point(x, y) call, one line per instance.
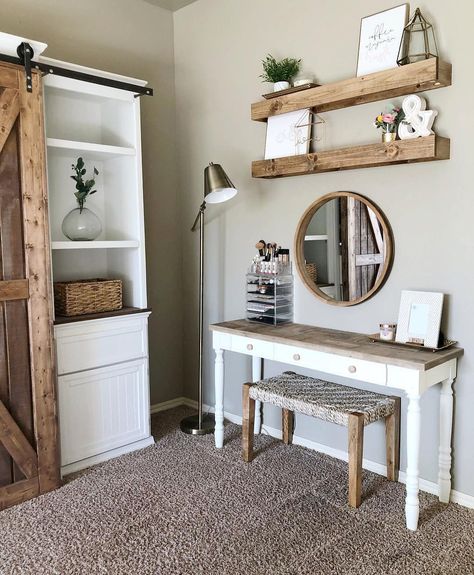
point(418, 41)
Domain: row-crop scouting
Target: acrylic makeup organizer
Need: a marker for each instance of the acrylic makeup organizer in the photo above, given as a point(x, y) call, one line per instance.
point(270, 296)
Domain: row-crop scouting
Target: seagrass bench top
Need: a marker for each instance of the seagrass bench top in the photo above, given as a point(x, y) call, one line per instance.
point(322, 399)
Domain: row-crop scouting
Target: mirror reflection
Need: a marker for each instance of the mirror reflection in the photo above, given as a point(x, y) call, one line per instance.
point(346, 248)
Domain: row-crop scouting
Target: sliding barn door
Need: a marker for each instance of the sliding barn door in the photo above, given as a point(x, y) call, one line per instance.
point(364, 248)
point(29, 462)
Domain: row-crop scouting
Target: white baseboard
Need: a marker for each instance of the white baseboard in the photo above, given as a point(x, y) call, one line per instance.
point(101, 457)
point(425, 485)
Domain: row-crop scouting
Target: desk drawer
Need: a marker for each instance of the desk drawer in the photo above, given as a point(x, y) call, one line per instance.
point(252, 346)
point(342, 366)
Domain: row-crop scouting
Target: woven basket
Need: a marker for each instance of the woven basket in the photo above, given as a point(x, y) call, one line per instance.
point(87, 296)
point(311, 271)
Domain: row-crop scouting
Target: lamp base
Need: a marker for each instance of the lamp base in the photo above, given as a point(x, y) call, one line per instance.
point(190, 424)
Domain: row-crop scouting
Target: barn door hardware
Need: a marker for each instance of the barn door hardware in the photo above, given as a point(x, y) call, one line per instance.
point(25, 58)
point(25, 53)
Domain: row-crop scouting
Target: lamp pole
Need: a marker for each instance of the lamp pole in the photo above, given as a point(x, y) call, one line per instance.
point(217, 188)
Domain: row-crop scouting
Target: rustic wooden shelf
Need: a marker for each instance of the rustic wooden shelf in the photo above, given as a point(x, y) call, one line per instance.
point(417, 77)
point(399, 152)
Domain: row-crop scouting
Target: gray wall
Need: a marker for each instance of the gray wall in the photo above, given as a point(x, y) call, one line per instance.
point(218, 48)
point(134, 38)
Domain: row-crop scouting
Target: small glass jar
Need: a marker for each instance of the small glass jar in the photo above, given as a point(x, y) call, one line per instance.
point(387, 331)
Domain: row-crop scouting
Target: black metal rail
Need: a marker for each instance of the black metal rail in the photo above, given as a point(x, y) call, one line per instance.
point(25, 59)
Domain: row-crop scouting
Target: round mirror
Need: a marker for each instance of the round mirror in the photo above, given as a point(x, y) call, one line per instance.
point(344, 248)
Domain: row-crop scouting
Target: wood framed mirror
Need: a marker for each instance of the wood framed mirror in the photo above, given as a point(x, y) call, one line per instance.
point(344, 248)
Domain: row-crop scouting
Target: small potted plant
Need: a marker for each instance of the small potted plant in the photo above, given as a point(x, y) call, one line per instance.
point(280, 72)
point(81, 224)
point(389, 122)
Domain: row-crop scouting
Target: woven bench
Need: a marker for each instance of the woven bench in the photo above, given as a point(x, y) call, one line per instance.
point(348, 406)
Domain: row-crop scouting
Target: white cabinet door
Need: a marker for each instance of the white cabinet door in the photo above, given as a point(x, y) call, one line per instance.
point(103, 409)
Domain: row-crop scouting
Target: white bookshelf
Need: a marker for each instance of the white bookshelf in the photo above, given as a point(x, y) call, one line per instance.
point(103, 387)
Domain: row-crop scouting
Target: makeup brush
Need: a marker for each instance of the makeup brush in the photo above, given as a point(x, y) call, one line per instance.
point(260, 247)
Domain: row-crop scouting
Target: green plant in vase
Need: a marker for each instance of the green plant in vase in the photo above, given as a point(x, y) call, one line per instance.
point(280, 72)
point(81, 224)
point(83, 187)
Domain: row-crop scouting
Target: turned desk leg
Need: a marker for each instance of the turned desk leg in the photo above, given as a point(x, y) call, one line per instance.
point(257, 376)
point(219, 393)
point(412, 505)
point(445, 431)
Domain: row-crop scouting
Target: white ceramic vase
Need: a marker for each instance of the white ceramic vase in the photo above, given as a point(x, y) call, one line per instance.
point(277, 86)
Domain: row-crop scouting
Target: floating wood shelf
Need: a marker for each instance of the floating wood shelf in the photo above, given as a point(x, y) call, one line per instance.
point(399, 152)
point(418, 77)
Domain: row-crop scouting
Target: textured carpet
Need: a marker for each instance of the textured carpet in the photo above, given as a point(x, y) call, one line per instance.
point(182, 507)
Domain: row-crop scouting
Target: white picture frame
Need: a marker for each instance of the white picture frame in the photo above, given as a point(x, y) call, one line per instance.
point(380, 38)
point(419, 318)
point(288, 134)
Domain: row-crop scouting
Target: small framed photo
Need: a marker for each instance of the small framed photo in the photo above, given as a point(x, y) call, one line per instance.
point(419, 318)
point(288, 134)
point(380, 39)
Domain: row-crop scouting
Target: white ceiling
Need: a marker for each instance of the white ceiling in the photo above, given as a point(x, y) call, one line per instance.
point(171, 4)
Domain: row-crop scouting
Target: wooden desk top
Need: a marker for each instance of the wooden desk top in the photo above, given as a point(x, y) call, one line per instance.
point(345, 343)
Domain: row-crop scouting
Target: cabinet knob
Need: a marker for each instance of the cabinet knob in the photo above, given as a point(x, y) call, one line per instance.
point(352, 369)
point(249, 346)
point(296, 357)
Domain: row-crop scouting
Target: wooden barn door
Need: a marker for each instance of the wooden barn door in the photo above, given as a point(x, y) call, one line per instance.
point(29, 462)
point(363, 254)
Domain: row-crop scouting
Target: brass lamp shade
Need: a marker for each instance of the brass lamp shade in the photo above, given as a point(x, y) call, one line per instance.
point(217, 185)
point(418, 41)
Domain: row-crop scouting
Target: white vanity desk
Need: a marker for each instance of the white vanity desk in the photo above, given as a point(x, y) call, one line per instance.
point(353, 356)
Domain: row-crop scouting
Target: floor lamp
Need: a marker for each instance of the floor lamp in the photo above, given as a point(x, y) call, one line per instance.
point(217, 189)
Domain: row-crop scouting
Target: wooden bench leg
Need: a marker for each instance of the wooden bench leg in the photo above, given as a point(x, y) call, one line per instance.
point(392, 440)
point(356, 446)
point(287, 419)
point(248, 419)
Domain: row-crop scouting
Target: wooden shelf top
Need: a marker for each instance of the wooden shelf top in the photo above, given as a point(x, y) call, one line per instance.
point(425, 149)
point(417, 77)
point(356, 345)
point(61, 319)
point(94, 245)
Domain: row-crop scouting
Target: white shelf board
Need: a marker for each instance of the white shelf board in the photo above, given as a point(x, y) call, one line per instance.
point(95, 150)
point(105, 244)
point(318, 238)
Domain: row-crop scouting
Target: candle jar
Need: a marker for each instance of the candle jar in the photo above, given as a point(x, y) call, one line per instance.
point(387, 331)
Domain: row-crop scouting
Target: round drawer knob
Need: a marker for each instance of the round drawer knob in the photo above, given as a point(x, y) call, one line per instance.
point(249, 346)
point(296, 357)
point(352, 369)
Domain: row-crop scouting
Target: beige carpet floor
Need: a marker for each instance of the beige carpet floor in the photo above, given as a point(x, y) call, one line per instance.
point(182, 507)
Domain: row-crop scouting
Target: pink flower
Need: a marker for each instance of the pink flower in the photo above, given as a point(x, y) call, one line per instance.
point(388, 118)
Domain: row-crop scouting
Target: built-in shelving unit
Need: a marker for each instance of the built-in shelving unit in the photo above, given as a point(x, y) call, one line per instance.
point(102, 358)
point(102, 125)
point(420, 76)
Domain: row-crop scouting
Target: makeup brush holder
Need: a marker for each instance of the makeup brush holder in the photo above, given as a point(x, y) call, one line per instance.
point(270, 296)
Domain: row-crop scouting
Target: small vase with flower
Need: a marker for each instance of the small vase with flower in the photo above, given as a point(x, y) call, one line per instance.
point(388, 122)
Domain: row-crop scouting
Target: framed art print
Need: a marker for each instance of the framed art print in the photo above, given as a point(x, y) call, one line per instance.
point(419, 318)
point(288, 134)
point(380, 39)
